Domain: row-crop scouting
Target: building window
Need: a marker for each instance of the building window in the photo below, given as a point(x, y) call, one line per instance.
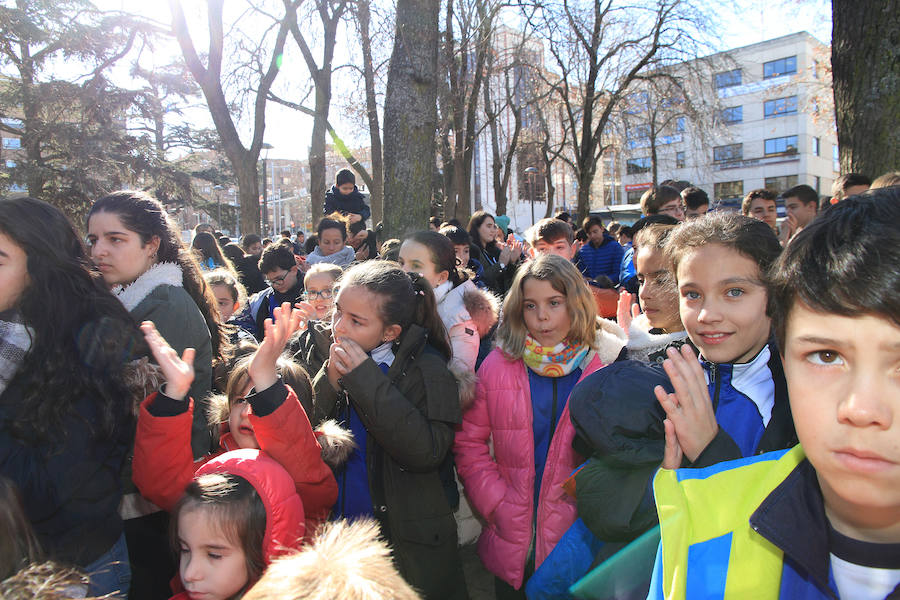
point(679, 160)
point(634, 166)
point(12, 143)
point(728, 153)
point(780, 184)
point(728, 79)
point(781, 145)
point(818, 184)
point(835, 159)
point(10, 164)
point(782, 66)
point(733, 114)
point(680, 124)
point(634, 197)
point(779, 107)
point(729, 189)
point(816, 146)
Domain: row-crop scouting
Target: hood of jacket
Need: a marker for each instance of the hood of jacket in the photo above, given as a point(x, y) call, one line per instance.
point(159, 274)
point(341, 258)
point(467, 302)
point(642, 343)
point(284, 509)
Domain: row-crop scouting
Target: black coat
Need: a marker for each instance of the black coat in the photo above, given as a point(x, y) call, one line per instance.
point(352, 203)
point(409, 414)
point(249, 274)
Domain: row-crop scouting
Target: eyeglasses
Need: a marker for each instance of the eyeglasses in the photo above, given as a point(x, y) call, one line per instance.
point(312, 294)
point(673, 210)
point(278, 280)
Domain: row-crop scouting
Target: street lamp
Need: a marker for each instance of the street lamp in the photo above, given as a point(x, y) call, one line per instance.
point(531, 172)
point(265, 226)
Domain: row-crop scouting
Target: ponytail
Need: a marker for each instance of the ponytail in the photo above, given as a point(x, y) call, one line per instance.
point(426, 315)
point(443, 255)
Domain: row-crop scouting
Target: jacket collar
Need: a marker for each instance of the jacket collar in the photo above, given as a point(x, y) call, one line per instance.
point(411, 344)
point(792, 517)
point(159, 274)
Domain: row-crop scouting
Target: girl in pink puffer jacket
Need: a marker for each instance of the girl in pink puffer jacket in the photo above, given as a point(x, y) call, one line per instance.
point(549, 339)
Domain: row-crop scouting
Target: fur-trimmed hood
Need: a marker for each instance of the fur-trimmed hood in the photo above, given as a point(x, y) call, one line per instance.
point(467, 302)
point(159, 274)
point(611, 338)
point(642, 344)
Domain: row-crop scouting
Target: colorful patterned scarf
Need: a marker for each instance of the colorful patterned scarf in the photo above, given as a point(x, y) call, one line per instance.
point(557, 361)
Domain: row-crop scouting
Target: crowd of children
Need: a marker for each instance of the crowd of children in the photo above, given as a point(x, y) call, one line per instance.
point(331, 418)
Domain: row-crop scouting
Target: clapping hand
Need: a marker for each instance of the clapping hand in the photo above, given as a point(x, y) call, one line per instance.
point(179, 372)
point(262, 370)
point(689, 409)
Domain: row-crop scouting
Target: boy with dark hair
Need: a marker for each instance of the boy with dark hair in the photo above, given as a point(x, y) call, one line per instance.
point(821, 520)
point(696, 202)
point(602, 255)
point(462, 243)
point(282, 272)
point(345, 198)
point(848, 185)
point(801, 203)
point(662, 200)
point(760, 205)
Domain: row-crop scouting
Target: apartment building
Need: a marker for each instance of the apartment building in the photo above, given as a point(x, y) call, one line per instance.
point(771, 125)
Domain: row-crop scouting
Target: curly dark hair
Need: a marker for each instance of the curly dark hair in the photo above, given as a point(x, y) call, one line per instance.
point(146, 216)
point(83, 335)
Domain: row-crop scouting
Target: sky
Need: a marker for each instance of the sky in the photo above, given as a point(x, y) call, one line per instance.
point(742, 22)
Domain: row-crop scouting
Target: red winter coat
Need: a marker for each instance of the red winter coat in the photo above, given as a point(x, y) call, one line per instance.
point(501, 488)
point(164, 466)
point(275, 486)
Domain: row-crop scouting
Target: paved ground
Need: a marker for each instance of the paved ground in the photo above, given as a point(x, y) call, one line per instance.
point(479, 581)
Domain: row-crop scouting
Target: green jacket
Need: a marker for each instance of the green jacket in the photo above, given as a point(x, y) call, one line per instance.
point(158, 296)
point(409, 414)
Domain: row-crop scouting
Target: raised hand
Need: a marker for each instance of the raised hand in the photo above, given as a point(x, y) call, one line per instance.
point(626, 310)
point(262, 369)
point(689, 409)
point(179, 372)
point(363, 252)
point(347, 355)
point(673, 455)
point(515, 249)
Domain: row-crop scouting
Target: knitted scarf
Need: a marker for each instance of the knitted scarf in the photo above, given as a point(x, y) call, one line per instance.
point(557, 361)
point(15, 342)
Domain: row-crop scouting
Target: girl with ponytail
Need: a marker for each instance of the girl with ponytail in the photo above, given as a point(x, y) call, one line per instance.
point(386, 379)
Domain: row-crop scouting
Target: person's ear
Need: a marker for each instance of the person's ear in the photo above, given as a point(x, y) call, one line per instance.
point(153, 245)
point(442, 277)
point(392, 332)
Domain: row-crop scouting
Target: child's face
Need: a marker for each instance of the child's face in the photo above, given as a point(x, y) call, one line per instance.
point(356, 317)
point(346, 188)
point(462, 254)
point(416, 258)
point(723, 303)
point(239, 421)
point(487, 230)
point(560, 247)
point(545, 312)
point(657, 291)
point(316, 285)
point(212, 567)
point(13, 272)
point(674, 208)
point(595, 234)
point(843, 376)
point(764, 210)
point(224, 301)
point(330, 241)
point(695, 213)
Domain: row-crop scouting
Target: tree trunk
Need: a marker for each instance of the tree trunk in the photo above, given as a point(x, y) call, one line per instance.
point(376, 191)
point(410, 117)
point(865, 60)
point(317, 184)
point(248, 194)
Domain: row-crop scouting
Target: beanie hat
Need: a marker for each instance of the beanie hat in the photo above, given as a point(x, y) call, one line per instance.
point(345, 176)
point(502, 221)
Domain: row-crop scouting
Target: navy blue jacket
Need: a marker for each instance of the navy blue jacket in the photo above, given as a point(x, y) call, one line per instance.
point(605, 259)
point(353, 203)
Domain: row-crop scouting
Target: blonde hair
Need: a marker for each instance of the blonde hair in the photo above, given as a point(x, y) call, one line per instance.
point(345, 560)
point(565, 279)
point(329, 269)
point(887, 180)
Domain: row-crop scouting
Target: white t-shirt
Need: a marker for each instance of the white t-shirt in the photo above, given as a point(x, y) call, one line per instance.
point(864, 570)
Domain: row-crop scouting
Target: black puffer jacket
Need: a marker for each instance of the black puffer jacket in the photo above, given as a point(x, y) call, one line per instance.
point(352, 203)
point(409, 414)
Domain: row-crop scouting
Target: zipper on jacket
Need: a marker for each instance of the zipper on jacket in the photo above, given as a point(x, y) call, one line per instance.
point(552, 418)
point(717, 382)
